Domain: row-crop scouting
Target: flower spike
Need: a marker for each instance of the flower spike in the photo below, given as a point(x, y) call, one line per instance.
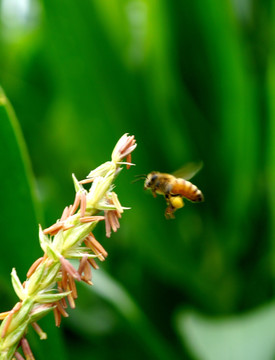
point(51, 279)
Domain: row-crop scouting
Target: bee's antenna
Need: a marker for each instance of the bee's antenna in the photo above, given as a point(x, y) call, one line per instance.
point(139, 177)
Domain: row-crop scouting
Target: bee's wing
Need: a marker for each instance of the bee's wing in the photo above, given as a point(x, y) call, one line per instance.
point(188, 170)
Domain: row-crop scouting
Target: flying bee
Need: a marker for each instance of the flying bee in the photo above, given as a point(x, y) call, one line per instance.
point(174, 187)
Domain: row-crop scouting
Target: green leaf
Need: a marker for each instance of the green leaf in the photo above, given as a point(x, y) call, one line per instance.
point(250, 336)
point(18, 213)
point(110, 290)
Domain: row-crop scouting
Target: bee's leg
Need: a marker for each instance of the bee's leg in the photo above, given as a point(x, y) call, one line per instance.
point(167, 198)
point(154, 193)
point(169, 212)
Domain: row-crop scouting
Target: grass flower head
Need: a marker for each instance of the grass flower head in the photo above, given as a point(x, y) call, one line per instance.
point(51, 279)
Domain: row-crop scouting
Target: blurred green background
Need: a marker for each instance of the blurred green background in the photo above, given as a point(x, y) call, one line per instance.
point(192, 80)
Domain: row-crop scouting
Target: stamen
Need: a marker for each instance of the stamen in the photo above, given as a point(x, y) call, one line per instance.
point(65, 214)
point(70, 209)
point(71, 300)
point(75, 204)
point(61, 309)
point(107, 224)
point(60, 289)
point(93, 263)
point(63, 302)
point(64, 279)
point(8, 319)
point(89, 282)
point(34, 266)
point(69, 268)
point(67, 227)
point(72, 286)
point(86, 181)
point(96, 247)
point(87, 219)
point(26, 349)
point(54, 228)
point(82, 205)
point(91, 246)
point(88, 273)
point(82, 263)
point(18, 356)
point(129, 160)
point(39, 331)
point(113, 220)
point(57, 317)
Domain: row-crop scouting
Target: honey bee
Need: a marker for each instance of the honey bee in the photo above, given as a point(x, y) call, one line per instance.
point(174, 187)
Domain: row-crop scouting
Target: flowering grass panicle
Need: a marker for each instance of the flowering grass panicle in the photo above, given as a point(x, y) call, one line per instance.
point(51, 279)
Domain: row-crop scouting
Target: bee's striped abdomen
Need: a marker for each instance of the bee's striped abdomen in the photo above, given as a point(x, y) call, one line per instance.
point(188, 190)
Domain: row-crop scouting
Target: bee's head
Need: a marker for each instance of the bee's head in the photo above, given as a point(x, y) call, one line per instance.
point(150, 180)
